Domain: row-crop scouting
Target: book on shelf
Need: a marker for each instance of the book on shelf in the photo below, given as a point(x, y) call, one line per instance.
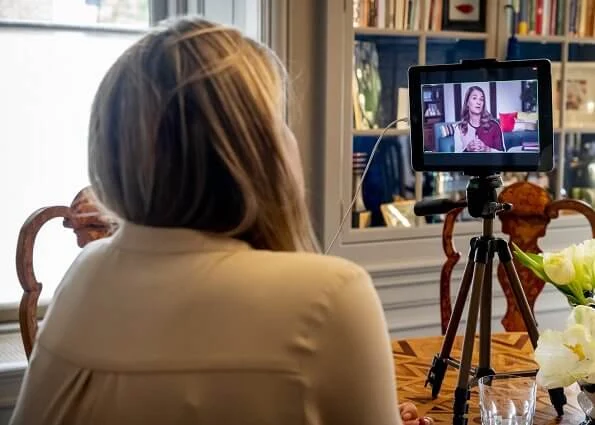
point(546, 17)
point(404, 15)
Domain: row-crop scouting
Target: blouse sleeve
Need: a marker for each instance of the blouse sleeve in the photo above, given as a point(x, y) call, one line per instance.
point(458, 139)
point(354, 369)
point(504, 148)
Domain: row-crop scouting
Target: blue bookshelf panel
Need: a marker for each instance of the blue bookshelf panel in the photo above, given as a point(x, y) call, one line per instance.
point(390, 174)
point(534, 50)
point(581, 52)
point(447, 50)
point(395, 56)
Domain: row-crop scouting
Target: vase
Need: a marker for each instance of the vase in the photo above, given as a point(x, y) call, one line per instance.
point(586, 401)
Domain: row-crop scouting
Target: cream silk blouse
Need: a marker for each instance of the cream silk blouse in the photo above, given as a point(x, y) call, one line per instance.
point(172, 326)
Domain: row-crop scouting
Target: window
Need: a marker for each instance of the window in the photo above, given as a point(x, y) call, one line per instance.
point(77, 12)
point(55, 53)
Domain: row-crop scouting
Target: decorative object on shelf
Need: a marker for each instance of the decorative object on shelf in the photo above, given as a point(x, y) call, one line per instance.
point(580, 93)
point(464, 15)
point(567, 357)
point(366, 102)
point(361, 218)
point(399, 213)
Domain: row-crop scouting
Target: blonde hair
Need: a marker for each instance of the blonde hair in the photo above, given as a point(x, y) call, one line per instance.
point(187, 130)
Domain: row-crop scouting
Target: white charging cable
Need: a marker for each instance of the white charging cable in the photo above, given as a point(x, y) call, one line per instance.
point(359, 186)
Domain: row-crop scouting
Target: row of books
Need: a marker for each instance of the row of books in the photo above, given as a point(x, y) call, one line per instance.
point(546, 17)
point(398, 14)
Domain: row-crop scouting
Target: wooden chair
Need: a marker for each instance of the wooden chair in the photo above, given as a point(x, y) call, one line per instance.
point(88, 224)
point(533, 209)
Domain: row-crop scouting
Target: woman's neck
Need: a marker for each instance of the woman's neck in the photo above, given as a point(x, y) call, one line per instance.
point(475, 120)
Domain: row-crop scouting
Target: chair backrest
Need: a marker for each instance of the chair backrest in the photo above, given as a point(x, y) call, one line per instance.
point(532, 211)
point(87, 222)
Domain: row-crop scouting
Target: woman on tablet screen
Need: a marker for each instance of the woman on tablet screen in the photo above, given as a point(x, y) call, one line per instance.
point(477, 131)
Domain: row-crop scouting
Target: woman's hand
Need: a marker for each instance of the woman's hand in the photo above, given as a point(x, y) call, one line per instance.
point(410, 416)
point(477, 146)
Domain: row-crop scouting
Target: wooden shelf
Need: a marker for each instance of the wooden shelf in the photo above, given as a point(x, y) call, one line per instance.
point(541, 38)
point(391, 32)
point(581, 40)
point(378, 132)
point(555, 39)
point(586, 129)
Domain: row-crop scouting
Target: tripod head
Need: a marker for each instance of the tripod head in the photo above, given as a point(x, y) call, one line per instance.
point(481, 201)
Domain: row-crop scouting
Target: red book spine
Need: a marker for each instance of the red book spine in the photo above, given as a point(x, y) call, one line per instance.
point(539, 18)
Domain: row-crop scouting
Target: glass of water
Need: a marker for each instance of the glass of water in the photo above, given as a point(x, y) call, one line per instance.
point(507, 400)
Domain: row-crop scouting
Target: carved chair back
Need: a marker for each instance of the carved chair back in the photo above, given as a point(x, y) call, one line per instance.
point(87, 222)
point(527, 222)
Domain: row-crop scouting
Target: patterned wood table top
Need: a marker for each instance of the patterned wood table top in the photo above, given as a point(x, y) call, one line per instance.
point(510, 352)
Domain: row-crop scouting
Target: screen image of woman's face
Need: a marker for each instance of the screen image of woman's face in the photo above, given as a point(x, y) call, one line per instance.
point(475, 102)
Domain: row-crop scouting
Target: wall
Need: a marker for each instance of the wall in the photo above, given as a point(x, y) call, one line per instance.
point(508, 97)
point(449, 106)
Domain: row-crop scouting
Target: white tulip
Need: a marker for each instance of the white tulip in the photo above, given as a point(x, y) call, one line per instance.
point(559, 267)
point(585, 316)
point(565, 357)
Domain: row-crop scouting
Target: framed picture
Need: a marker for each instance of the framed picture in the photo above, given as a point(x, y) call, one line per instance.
point(580, 94)
point(464, 15)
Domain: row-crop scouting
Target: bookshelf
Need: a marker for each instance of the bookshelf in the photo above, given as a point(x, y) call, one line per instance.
point(394, 44)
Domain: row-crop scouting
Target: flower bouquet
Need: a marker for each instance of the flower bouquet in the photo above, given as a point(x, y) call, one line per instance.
point(571, 271)
point(566, 357)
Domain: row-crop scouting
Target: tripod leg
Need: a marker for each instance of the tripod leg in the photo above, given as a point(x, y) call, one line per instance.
point(462, 390)
point(557, 396)
point(517, 289)
point(440, 362)
point(485, 319)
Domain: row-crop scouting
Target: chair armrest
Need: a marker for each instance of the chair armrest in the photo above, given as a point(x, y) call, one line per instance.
point(553, 209)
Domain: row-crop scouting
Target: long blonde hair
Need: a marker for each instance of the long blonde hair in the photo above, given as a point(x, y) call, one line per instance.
point(485, 117)
point(187, 130)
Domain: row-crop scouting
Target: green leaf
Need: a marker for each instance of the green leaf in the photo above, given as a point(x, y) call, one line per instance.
point(535, 257)
point(573, 301)
point(531, 262)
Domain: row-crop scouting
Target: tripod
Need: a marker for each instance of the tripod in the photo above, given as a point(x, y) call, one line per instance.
point(481, 203)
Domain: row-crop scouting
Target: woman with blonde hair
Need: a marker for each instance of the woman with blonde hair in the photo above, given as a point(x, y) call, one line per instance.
point(209, 305)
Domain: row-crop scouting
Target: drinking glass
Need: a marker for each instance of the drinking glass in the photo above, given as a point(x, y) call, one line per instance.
point(507, 400)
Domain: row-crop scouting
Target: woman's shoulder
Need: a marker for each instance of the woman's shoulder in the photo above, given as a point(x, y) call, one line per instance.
point(317, 266)
point(493, 123)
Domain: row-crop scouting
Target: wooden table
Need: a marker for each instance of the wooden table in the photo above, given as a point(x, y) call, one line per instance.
point(510, 352)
